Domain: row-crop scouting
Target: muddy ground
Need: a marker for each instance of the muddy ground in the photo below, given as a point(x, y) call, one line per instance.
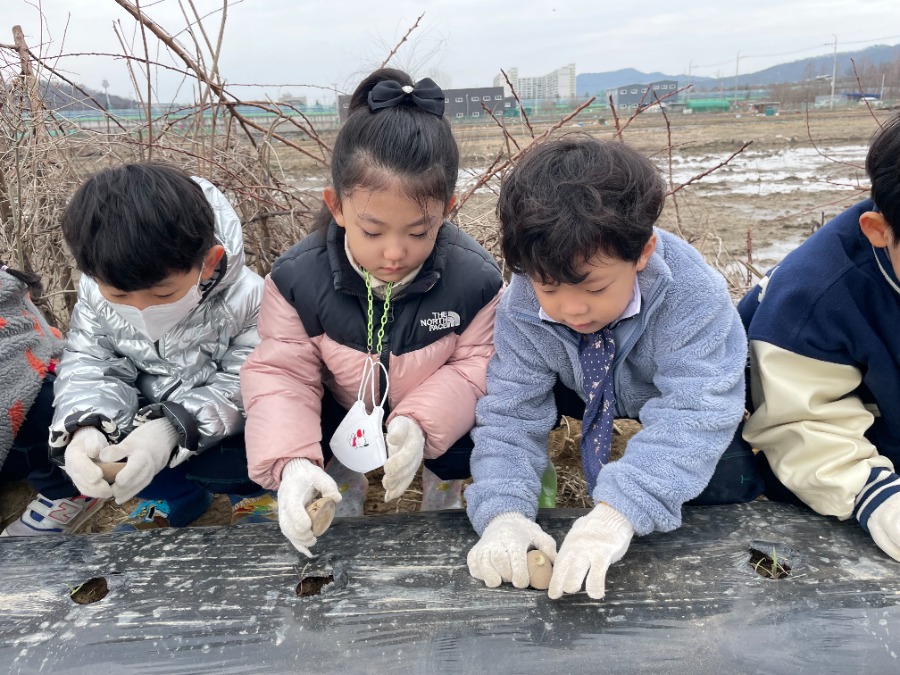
point(745, 215)
point(796, 173)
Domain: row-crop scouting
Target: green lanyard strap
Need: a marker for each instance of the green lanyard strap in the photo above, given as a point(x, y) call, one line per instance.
point(384, 316)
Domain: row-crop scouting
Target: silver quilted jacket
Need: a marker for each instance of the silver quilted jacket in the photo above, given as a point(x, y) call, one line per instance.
point(109, 370)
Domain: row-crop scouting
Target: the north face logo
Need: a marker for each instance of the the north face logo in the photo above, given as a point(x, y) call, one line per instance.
point(441, 321)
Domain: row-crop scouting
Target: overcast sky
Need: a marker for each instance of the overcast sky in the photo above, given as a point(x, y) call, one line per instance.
point(296, 45)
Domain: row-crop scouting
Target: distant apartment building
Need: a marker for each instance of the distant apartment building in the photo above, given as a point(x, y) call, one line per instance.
point(632, 95)
point(558, 84)
point(459, 104)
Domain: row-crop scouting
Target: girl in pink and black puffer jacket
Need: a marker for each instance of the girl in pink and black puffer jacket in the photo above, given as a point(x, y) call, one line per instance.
point(384, 277)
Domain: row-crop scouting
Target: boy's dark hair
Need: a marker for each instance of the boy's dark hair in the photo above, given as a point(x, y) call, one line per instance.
point(131, 226)
point(883, 169)
point(568, 200)
point(402, 141)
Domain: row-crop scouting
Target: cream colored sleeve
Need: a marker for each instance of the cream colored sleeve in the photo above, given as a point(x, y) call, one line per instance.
point(811, 425)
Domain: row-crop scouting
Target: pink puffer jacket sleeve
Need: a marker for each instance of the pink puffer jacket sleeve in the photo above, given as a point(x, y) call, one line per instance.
point(443, 405)
point(281, 383)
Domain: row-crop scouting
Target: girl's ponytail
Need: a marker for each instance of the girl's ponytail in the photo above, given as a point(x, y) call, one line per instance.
point(395, 133)
point(360, 97)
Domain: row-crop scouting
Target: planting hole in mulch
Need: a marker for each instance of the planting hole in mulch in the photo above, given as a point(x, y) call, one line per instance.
point(92, 590)
point(315, 575)
point(312, 585)
point(768, 564)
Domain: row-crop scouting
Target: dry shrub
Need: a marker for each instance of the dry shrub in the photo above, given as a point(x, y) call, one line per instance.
point(45, 155)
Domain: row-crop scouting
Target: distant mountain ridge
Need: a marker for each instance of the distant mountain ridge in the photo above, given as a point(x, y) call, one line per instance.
point(66, 98)
point(594, 84)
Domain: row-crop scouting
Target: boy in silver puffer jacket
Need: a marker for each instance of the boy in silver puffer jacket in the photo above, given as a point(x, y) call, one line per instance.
point(166, 316)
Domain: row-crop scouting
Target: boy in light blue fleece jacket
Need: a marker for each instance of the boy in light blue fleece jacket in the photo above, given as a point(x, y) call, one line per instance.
point(634, 321)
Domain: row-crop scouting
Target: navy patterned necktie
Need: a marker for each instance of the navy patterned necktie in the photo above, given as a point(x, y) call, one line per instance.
point(596, 353)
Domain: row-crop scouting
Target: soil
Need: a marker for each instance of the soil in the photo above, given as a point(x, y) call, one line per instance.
point(765, 566)
point(313, 585)
point(795, 174)
point(92, 590)
point(743, 216)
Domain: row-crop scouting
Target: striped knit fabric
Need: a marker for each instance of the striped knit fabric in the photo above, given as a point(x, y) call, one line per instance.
point(29, 348)
point(882, 485)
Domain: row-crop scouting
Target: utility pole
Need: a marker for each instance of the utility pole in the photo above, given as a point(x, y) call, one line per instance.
point(833, 70)
point(105, 85)
point(737, 65)
point(687, 92)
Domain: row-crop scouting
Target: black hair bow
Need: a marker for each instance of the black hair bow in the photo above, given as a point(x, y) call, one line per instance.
point(426, 95)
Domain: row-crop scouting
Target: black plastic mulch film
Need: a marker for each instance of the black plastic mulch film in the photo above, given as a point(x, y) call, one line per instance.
point(391, 594)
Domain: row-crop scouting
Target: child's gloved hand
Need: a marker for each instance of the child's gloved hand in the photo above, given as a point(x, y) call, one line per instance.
point(300, 481)
point(148, 449)
point(405, 446)
point(595, 542)
point(80, 454)
point(501, 553)
point(882, 522)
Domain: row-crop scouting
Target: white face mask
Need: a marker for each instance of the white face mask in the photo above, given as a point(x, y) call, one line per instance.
point(358, 442)
point(157, 320)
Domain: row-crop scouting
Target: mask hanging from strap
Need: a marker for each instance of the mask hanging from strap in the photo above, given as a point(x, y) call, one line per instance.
point(359, 442)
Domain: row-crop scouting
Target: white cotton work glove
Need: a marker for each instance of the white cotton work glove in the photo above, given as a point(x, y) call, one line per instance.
point(80, 454)
point(405, 447)
point(595, 542)
point(884, 526)
point(148, 449)
point(501, 553)
point(884, 521)
point(300, 481)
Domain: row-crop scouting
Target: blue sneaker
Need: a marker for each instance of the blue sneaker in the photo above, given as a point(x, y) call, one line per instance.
point(53, 516)
point(152, 514)
point(256, 508)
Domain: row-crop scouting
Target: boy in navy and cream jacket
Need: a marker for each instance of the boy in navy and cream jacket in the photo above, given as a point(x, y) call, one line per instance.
point(825, 360)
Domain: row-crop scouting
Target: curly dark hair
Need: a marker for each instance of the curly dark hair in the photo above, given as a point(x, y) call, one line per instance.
point(570, 199)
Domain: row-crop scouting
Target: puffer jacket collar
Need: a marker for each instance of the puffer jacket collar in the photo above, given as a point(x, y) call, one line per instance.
point(229, 234)
point(346, 280)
